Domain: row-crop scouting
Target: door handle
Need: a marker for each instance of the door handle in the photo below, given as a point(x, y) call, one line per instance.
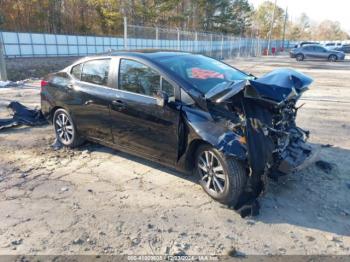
point(119, 104)
point(89, 102)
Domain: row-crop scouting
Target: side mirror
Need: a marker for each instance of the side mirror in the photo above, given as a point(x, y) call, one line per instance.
point(162, 98)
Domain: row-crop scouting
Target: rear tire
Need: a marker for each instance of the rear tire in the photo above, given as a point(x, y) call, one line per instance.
point(299, 57)
point(222, 178)
point(332, 58)
point(65, 129)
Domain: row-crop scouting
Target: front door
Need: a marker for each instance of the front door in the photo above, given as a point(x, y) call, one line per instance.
point(138, 122)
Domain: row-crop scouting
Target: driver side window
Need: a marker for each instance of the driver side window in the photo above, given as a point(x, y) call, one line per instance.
point(138, 78)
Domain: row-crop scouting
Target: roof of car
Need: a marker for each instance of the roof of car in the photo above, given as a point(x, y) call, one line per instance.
point(148, 53)
point(311, 45)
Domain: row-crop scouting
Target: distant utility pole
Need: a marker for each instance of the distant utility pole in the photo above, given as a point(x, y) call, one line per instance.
point(284, 27)
point(271, 28)
point(125, 33)
point(3, 75)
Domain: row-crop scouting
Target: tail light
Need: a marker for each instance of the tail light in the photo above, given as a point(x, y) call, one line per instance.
point(43, 83)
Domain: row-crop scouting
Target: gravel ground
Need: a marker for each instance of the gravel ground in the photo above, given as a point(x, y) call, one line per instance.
point(95, 200)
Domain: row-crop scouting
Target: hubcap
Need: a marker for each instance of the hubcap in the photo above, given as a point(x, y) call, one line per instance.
point(211, 171)
point(64, 128)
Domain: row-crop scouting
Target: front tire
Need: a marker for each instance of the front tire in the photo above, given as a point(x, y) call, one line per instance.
point(299, 57)
point(221, 178)
point(66, 132)
point(332, 58)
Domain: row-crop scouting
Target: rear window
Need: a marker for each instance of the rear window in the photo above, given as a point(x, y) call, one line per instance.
point(76, 71)
point(96, 71)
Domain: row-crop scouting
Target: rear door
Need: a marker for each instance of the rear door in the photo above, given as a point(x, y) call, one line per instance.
point(93, 97)
point(138, 122)
point(307, 51)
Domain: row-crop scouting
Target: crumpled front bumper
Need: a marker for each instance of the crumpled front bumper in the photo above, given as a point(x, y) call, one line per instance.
point(297, 156)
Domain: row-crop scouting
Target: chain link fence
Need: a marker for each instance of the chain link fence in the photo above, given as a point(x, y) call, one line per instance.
point(215, 45)
point(28, 44)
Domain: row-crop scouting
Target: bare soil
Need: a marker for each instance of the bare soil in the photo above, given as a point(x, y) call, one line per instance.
point(95, 200)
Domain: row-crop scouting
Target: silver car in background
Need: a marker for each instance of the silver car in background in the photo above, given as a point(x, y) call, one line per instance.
point(316, 52)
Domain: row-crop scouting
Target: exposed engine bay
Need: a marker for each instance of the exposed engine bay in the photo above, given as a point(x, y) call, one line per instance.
point(264, 117)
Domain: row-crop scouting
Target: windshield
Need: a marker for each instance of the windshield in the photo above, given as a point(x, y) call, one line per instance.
point(202, 72)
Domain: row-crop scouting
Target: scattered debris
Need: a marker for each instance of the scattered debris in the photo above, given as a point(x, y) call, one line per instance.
point(250, 222)
point(235, 253)
point(5, 83)
point(22, 116)
point(56, 145)
point(135, 241)
point(310, 238)
point(63, 189)
point(17, 242)
point(19, 83)
point(324, 166)
point(78, 241)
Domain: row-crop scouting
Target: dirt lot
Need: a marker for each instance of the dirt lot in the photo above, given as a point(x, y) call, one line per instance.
point(97, 200)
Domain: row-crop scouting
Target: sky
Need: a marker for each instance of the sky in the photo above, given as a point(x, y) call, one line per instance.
point(316, 10)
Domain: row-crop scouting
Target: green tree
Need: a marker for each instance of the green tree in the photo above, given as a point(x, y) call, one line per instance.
point(263, 18)
point(240, 17)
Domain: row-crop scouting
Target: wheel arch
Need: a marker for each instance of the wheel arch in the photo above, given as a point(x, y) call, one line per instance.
point(191, 152)
point(52, 112)
point(300, 54)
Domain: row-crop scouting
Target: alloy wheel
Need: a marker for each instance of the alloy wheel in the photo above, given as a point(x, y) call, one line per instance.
point(211, 172)
point(332, 58)
point(64, 128)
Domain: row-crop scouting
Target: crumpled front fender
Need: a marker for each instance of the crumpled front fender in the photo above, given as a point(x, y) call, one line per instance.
point(202, 126)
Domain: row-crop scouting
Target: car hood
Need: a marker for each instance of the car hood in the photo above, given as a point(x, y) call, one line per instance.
point(276, 86)
point(336, 51)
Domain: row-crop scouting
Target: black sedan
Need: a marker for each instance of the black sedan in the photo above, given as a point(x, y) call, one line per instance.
point(187, 111)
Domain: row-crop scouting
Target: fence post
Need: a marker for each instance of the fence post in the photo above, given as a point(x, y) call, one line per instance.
point(239, 47)
point(211, 44)
point(125, 32)
point(196, 42)
point(222, 46)
point(157, 37)
point(178, 39)
point(3, 74)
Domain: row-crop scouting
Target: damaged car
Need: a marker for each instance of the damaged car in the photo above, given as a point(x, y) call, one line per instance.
point(187, 111)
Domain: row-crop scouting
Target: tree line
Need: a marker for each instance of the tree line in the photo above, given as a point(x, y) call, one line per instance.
point(105, 17)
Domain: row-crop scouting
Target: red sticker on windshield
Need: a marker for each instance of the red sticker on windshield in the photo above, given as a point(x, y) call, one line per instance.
point(199, 73)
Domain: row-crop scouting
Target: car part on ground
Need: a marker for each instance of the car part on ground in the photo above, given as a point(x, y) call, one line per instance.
point(22, 115)
point(234, 130)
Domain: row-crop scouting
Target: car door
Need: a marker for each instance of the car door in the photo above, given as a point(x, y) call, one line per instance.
point(93, 97)
point(307, 51)
point(321, 52)
point(139, 123)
